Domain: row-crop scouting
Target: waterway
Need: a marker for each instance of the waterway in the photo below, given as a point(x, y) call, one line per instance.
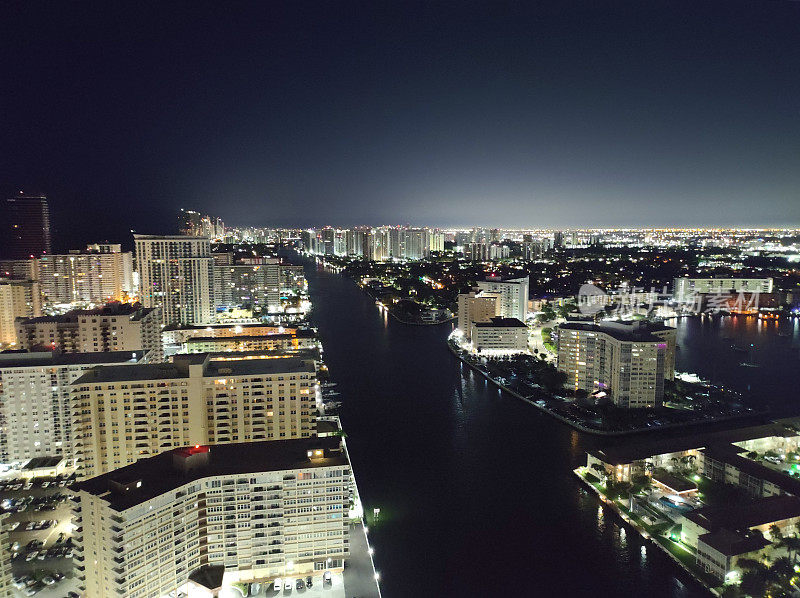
point(475, 487)
point(715, 349)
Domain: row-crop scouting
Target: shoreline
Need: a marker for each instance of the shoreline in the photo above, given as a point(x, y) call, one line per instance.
point(595, 431)
point(644, 534)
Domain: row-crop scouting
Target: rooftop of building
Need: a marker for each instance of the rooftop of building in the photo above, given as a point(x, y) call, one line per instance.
point(162, 473)
point(730, 543)
point(214, 364)
point(617, 330)
point(111, 309)
point(499, 322)
point(730, 454)
point(643, 449)
point(674, 483)
point(741, 517)
point(21, 359)
point(42, 462)
point(187, 238)
point(513, 279)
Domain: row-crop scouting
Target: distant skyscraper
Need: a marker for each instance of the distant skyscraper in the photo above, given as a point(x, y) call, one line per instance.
point(27, 227)
point(176, 274)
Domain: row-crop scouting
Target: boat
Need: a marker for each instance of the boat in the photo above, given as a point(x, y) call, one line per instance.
point(331, 404)
point(746, 364)
point(331, 393)
point(328, 384)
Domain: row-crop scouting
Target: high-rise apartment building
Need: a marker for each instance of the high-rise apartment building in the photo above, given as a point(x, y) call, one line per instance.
point(513, 295)
point(256, 287)
point(18, 299)
point(477, 307)
point(115, 327)
point(176, 275)
point(247, 511)
point(125, 413)
point(35, 408)
point(625, 361)
point(26, 227)
point(102, 273)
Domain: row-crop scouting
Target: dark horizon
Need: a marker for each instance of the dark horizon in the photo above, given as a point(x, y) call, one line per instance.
point(545, 115)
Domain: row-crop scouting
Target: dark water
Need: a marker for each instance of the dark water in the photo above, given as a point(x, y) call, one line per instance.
point(475, 488)
point(706, 347)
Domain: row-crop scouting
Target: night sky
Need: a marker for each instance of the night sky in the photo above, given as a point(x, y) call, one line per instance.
point(528, 114)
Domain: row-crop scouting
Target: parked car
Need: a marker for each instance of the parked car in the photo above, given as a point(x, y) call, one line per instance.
point(326, 577)
point(309, 582)
point(277, 584)
point(300, 584)
point(287, 585)
point(48, 581)
point(32, 555)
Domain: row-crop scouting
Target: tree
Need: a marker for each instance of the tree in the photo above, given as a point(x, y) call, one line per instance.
point(775, 533)
point(791, 544)
point(748, 564)
point(781, 570)
point(754, 583)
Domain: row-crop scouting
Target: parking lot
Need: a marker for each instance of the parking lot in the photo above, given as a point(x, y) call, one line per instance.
point(38, 520)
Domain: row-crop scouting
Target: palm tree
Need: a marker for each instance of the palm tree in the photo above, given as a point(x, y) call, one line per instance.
point(748, 564)
point(775, 533)
point(782, 569)
point(754, 583)
point(791, 544)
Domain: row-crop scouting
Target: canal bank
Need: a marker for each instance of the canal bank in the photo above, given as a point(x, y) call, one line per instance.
point(475, 488)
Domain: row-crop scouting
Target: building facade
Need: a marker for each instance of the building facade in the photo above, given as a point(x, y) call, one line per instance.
point(623, 362)
point(477, 307)
point(499, 336)
point(35, 408)
point(18, 299)
point(513, 295)
point(26, 227)
point(176, 275)
point(93, 276)
point(256, 510)
point(124, 414)
point(115, 327)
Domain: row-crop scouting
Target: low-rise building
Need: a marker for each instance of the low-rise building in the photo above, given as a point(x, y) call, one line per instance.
point(499, 336)
point(287, 341)
point(256, 511)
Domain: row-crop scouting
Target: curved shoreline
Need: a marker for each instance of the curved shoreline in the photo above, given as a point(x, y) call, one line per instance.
point(581, 428)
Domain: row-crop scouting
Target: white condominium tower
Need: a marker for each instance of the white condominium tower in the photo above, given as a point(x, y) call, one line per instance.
point(238, 512)
point(513, 295)
point(102, 273)
point(176, 274)
point(121, 414)
point(35, 409)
